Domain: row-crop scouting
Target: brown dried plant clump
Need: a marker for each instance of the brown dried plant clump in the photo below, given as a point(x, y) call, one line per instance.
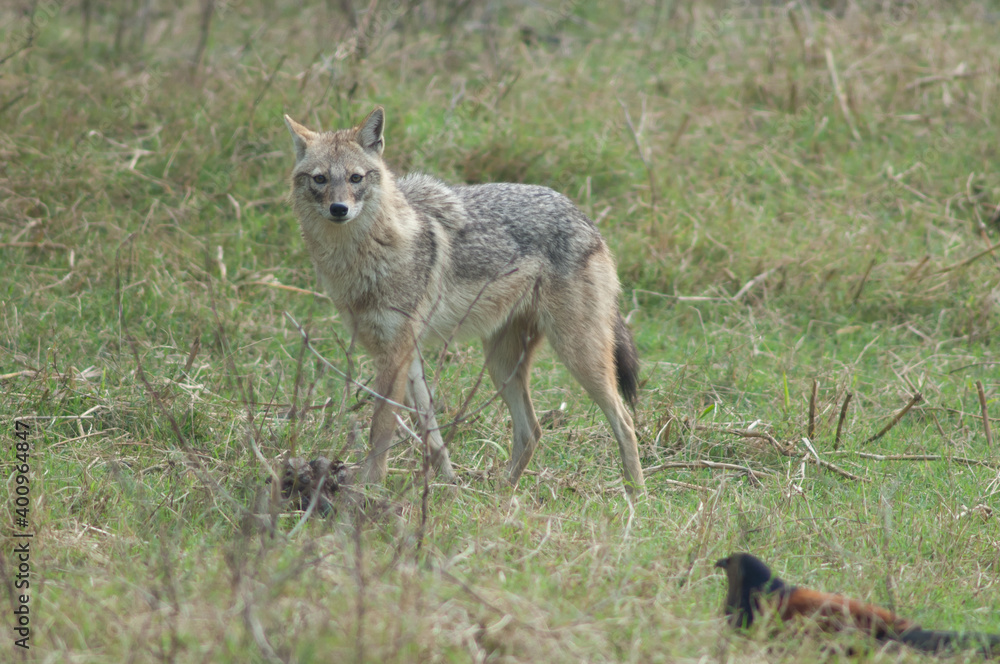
point(319, 479)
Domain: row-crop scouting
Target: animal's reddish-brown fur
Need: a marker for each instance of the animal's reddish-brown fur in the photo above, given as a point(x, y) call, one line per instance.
point(836, 612)
point(752, 588)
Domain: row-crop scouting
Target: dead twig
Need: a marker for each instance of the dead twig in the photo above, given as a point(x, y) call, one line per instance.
point(986, 414)
point(967, 261)
point(207, 10)
point(917, 398)
point(864, 280)
point(266, 87)
point(834, 468)
point(680, 132)
point(812, 410)
point(959, 412)
point(915, 271)
point(840, 422)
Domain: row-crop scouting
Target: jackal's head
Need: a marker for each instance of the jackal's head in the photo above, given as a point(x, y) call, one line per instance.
point(337, 174)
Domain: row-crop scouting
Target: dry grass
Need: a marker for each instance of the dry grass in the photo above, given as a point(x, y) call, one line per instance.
point(797, 195)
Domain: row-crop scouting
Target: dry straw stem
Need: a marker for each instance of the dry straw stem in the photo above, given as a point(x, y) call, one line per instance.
point(841, 98)
point(294, 289)
point(86, 415)
point(898, 179)
point(964, 461)
point(917, 398)
point(986, 414)
point(682, 298)
point(638, 147)
point(701, 464)
point(687, 485)
point(753, 282)
point(16, 374)
point(54, 246)
point(936, 78)
point(64, 377)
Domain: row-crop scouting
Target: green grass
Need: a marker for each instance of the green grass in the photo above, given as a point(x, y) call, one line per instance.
point(142, 198)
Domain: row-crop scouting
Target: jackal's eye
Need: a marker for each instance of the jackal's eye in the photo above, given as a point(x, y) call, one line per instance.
point(319, 179)
point(356, 178)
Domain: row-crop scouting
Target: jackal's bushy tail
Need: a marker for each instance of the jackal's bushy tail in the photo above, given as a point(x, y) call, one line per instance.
point(626, 361)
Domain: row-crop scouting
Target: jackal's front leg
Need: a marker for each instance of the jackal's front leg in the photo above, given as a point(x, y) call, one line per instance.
point(390, 384)
point(420, 399)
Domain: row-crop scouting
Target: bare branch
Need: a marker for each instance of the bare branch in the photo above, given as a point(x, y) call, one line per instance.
point(840, 422)
point(917, 398)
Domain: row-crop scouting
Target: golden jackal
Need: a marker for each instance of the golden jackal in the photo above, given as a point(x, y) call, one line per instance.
point(412, 261)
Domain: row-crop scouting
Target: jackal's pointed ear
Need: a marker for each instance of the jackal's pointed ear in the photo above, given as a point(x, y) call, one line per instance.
point(301, 137)
point(370, 131)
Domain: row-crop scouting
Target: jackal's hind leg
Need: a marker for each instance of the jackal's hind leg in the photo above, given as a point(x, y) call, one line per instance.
point(587, 350)
point(508, 359)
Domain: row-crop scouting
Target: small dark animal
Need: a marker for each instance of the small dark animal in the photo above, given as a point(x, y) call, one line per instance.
point(752, 587)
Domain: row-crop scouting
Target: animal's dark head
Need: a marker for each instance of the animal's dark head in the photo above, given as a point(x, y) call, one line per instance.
point(749, 578)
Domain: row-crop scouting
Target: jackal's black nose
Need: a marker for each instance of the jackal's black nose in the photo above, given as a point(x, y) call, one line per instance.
point(338, 210)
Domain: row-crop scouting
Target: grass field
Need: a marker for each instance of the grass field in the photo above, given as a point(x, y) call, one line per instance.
point(802, 201)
